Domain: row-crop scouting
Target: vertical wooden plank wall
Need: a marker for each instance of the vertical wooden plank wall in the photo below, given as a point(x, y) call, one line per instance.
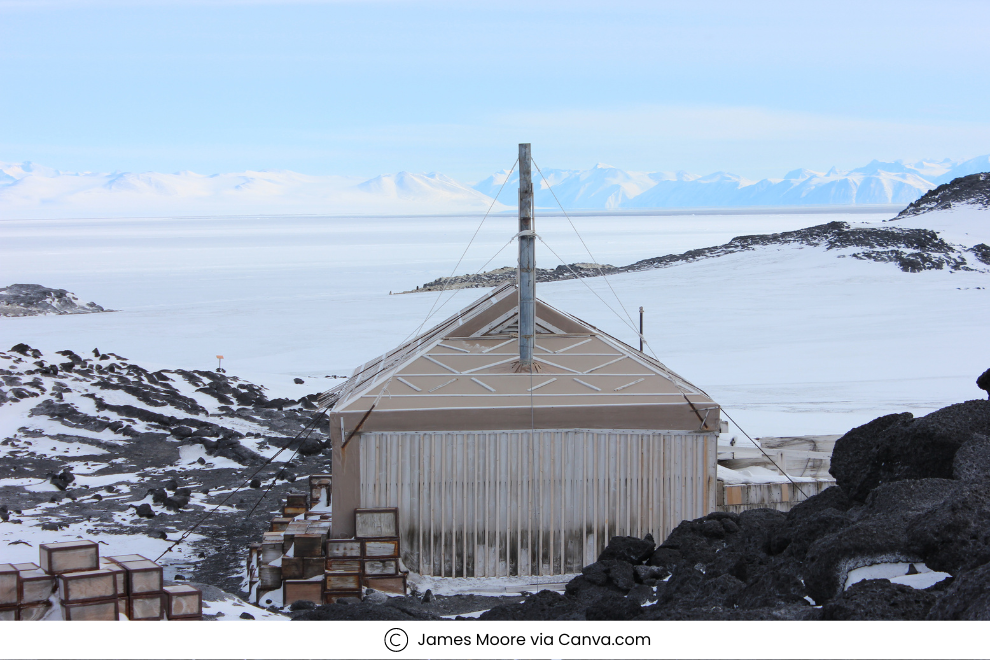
point(513, 503)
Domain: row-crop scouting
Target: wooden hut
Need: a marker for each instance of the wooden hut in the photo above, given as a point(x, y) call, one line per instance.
point(519, 443)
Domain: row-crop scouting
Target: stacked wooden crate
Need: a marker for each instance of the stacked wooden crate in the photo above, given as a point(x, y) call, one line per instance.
point(297, 556)
point(378, 531)
point(89, 587)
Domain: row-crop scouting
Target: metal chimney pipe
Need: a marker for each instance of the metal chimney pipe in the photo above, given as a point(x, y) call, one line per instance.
point(527, 261)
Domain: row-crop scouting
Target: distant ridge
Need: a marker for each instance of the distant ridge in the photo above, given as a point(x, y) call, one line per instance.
point(28, 190)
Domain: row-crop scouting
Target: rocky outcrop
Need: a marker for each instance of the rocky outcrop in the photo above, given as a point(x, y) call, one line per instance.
point(36, 300)
point(971, 190)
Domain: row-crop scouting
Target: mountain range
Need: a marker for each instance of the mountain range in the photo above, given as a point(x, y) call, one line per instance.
point(28, 190)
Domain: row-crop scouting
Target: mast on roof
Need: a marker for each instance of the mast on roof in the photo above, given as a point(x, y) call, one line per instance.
point(527, 261)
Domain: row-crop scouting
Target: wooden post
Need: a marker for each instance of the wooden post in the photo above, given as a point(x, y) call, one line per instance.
point(527, 261)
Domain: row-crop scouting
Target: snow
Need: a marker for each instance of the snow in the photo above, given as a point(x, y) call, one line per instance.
point(756, 475)
point(896, 572)
point(790, 341)
point(441, 586)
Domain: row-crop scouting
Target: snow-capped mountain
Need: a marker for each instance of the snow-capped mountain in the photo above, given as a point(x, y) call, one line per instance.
point(28, 190)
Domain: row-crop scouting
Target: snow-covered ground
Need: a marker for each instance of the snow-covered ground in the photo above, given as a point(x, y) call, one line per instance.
point(789, 340)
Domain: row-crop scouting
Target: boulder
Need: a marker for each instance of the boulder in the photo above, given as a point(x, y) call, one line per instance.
point(855, 454)
point(983, 382)
point(144, 511)
point(871, 541)
point(967, 598)
point(879, 600)
point(972, 461)
point(895, 447)
point(954, 535)
point(628, 549)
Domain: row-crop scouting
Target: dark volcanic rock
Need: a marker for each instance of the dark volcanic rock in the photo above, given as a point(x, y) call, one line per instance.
point(972, 461)
point(983, 382)
point(628, 549)
point(954, 535)
point(897, 447)
point(879, 600)
point(144, 511)
point(543, 606)
point(966, 599)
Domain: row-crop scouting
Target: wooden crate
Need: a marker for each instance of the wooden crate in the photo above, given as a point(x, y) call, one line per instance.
point(343, 566)
point(293, 511)
point(8, 613)
point(343, 581)
point(380, 548)
point(293, 590)
point(330, 597)
point(279, 524)
point(69, 556)
point(388, 584)
point(272, 547)
point(146, 607)
point(36, 585)
point(119, 574)
point(292, 568)
point(143, 576)
point(376, 523)
point(83, 586)
point(27, 566)
point(380, 566)
point(10, 582)
point(270, 578)
point(33, 611)
point(100, 610)
point(307, 545)
point(295, 500)
point(122, 605)
point(183, 601)
point(343, 549)
point(318, 484)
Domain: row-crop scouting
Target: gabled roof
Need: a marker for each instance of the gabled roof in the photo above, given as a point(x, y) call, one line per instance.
point(459, 375)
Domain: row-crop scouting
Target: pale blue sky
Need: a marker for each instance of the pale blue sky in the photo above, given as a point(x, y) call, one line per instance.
point(756, 88)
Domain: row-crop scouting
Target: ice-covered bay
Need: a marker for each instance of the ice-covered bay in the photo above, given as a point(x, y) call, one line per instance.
point(789, 341)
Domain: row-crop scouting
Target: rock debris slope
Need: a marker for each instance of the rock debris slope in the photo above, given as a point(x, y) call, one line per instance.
point(97, 446)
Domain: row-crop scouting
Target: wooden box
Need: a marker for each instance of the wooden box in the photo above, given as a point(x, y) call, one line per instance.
point(99, 610)
point(380, 566)
point(295, 500)
point(279, 524)
point(376, 523)
point(122, 607)
point(272, 547)
point(33, 611)
point(313, 567)
point(183, 601)
point(343, 566)
point(119, 574)
point(333, 596)
point(380, 548)
point(69, 556)
point(36, 586)
point(293, 590)
point(270, 578)
point(343, 549)
point(143, 576)
point(27, 566)
point(391, 585)
point(292, 511)
point(84, 586)
point(307, 545)
point(8, 613)
point(10, 582)
point(318, 485)
point(292, 568)
point(343, 581)
point(145, 607)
